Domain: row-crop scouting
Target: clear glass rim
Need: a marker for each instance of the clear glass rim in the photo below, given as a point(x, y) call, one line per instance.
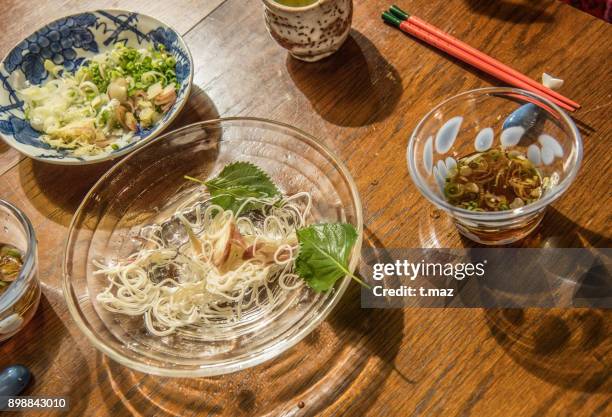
point(17, 287)
point(254, 358)
point(506, 214)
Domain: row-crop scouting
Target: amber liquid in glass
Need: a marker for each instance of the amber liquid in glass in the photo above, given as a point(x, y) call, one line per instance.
point(25, 306)
point(495, 180)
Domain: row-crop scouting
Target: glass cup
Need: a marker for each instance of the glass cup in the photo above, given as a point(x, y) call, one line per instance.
point(19, 301)
point(483, 119)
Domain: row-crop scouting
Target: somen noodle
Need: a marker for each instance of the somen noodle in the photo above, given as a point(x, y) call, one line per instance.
point(217, 265)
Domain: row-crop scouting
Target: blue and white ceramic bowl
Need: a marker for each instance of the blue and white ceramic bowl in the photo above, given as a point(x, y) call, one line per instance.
point(68, 42)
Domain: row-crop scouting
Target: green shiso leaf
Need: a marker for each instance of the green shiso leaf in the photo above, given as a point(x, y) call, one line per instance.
point(324, 254)
point(236, 183)
point(325, 249)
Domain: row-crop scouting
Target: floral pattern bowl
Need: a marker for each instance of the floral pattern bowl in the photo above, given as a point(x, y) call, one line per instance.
point(68, 42)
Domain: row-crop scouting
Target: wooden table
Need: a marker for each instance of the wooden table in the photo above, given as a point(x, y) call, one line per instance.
point(363, 102)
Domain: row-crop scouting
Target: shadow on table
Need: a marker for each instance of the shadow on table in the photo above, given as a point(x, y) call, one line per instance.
point(199, 107)
point(348, 355)
point(522, 11)
point(570, 348)
point(56, 190)
point(4, 147)
point(39, 347)
point(356, 86)
point(585, 129)
point(556, 231)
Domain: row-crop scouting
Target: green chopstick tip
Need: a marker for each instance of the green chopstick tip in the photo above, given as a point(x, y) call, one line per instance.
point(399, 13)
point(390, 19)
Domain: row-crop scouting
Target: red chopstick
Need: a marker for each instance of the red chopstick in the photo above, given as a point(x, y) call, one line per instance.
point(435, 37)
point(486, 58)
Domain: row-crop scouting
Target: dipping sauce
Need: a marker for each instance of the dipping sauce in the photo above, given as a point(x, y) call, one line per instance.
point(494, 180)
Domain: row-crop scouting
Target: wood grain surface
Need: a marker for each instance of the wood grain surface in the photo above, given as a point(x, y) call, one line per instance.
point(362, 102)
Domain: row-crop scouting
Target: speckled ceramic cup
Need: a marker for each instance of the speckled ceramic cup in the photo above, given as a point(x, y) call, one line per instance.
point(311, 32)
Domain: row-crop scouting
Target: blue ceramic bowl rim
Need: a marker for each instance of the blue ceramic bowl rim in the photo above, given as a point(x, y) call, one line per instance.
point(134, 145)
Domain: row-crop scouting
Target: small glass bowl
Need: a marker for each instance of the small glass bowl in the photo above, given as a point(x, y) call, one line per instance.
point(146, 187)
point(473, 121)
point(19, 301)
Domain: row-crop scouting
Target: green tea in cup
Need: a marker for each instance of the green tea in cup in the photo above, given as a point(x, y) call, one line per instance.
point(296, 3)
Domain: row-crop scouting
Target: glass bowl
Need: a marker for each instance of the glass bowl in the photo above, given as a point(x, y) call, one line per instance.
point(19, 301)
point(146, 187)
point(479, 120)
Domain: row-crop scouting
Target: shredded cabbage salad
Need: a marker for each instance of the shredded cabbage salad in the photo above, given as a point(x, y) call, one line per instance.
point(109, 98)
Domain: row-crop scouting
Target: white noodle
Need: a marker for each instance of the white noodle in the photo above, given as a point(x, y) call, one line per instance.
point(175, 285)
